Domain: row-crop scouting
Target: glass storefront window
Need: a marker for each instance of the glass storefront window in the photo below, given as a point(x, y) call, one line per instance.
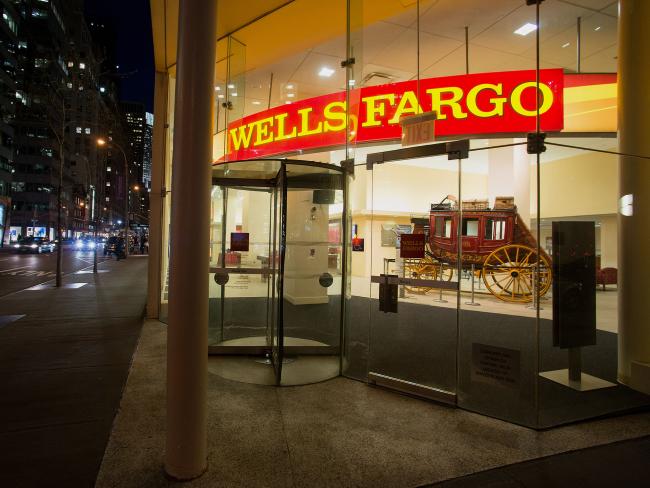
point(473, 318)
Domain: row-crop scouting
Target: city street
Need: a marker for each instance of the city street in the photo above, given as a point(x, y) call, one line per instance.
point(20, 271)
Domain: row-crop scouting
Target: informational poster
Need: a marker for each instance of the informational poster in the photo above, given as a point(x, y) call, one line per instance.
point(357, 244)
point(239, 241)
point(40, 231)
point(14, 232)
point(411, 246)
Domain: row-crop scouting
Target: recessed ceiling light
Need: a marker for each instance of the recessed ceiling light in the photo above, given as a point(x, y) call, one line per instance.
point(351, 82)
point(597, 28)
point(326, 72)
point(218, 88)
point(526, 29)
point(289, 86)
point(287, 103)
point(256, 102)
point(233, 94)
point(291, 95)
point(566, 44)
point(220, 95)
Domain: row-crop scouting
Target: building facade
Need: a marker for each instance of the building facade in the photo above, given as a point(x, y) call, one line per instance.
point(394, 193)
point(9, 43)
point(65, 101)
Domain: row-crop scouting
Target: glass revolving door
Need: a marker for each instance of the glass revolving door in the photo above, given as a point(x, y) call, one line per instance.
point(276, 271)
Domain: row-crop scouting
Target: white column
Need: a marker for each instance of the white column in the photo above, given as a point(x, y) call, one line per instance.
point(155, 196)
point(509, 175)
point(634, 230)
point(187, 348)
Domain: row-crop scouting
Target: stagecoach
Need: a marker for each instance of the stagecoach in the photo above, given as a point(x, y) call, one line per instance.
point(495, 243)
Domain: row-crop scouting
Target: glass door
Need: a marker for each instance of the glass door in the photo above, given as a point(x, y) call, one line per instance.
point(275, 337)
point(240, 260)
point(277, 271)
point(415, 271)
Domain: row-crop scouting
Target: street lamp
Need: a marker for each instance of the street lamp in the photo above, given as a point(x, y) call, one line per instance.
point(102, 142)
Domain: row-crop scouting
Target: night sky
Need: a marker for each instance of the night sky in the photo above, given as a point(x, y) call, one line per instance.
point(131, 20)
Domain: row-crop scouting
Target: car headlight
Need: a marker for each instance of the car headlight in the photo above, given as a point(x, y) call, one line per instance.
point(79, 243)
point(91, 245)
point(33, 246)
point(17, 246)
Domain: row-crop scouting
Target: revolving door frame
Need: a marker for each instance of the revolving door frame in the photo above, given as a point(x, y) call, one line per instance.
point(282, 183)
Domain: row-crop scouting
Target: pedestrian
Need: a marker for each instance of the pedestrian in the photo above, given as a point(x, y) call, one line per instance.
point(119, 248)
point(143, 244)
point(135, 243)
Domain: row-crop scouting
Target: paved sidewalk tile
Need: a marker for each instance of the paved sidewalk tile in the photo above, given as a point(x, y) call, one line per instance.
point(63, 366)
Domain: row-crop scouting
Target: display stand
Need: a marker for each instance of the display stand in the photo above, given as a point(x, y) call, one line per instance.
point(573, 377)
point(472, 303)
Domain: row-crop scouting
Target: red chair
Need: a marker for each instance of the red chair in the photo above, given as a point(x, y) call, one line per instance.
point(606, 276)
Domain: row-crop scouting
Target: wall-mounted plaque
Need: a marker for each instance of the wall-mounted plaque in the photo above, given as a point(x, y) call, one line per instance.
point(496, 365)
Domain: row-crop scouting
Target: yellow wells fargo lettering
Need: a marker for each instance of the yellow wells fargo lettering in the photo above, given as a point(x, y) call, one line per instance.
point(445, 101)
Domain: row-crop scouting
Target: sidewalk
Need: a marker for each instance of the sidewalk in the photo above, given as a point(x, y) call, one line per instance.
point(339, 433)
point(63, 367)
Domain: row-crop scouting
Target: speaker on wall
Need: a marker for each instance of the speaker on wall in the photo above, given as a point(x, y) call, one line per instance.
point(574, 284)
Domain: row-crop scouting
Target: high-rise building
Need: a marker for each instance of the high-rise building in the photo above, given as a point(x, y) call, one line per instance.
point(9, 43)
point(146, 155)
point(135, 122)
point(65, 101)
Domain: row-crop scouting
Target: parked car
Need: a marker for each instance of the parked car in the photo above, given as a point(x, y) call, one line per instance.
point(34, 244)
point(110, 245)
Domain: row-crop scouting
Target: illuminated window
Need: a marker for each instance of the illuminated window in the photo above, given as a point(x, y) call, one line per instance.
point(78, 130)
point(82, 65)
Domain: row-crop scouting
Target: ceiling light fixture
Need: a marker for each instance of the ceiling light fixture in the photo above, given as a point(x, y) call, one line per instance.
point(291, 95)
point(526, 29)
point(233, 94)
point(326, 72)
point(220, 95)
point(256, 102)
point(597, 28)
point(566, 44)
point(289, 86)
point(231, 86)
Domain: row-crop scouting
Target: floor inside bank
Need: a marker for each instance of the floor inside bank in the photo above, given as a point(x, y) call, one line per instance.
point(432, 342)
point(334, 433)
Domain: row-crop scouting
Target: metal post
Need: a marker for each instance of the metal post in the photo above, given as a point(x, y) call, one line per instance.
point(575, 364)
point(440, 299)
point(59, 248)
point(472, 302)
point(578, 40)
point(535, 303)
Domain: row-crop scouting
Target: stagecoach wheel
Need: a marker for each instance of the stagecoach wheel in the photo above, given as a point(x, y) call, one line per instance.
point(427, 268)
point(509, 273)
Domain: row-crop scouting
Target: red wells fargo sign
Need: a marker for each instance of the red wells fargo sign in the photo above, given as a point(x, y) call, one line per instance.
point(482, 103)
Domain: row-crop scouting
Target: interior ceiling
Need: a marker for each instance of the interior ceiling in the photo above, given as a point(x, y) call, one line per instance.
point(386, 44)
point(293, 40)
